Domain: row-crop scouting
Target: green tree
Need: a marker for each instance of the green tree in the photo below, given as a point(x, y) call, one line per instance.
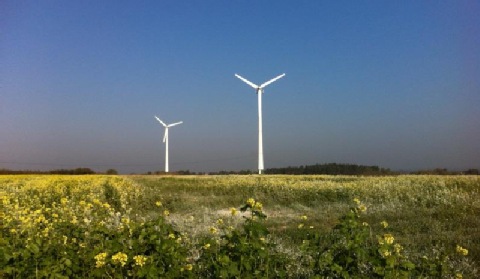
point(112, 171)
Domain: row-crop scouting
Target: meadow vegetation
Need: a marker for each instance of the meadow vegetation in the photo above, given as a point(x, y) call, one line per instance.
point(239, 226)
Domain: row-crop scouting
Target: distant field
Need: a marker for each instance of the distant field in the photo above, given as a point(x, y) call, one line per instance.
point(63, 223)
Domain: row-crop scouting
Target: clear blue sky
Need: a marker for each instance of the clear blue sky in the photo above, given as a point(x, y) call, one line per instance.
point(388, 83)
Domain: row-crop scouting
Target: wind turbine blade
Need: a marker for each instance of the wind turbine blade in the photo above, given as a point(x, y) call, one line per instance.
point(247, 81)
point(165, 135)
point(164, 125)
point(175, 124)
point(272, 80)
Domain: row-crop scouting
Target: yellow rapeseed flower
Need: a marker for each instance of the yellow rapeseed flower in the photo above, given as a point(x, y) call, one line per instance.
point(100, 259)
point(166, 212)
point(304, 217)
point(140, 260)
point(251, 202)
point(125, 220)
point(63, 201)
point(213, 230)
point(189, 267)
point(158, 203)
point(397, 248)
point(388, 238)
point(462, 250)
point(120, 258)
point(384, 224)
point(233, 211)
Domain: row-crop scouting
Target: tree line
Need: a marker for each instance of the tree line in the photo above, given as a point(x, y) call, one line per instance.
point(76, 171)
point(328, 169)
point(331, 169)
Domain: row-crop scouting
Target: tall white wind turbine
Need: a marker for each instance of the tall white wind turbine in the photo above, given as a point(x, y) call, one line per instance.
point(259, 90)
point(165, 138)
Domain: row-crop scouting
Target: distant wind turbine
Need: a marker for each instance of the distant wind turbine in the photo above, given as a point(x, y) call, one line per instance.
point(259, 90)
point(165, 138)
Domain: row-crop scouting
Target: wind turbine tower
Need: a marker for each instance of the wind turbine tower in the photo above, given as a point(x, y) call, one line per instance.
point(259, 90)
point(165, 138)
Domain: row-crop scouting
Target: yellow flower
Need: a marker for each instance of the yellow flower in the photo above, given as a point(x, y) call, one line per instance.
point(304, 217)
point(458, 276)
point(220, 221)
point(140, 260)
point(233, 211)
point(386, 253)
point(166, 212)
point(100, 258)
point(397, 248)
point(172, 236)
point(251, 202)
point(384, 224)
point(120, 258)
point(362, 208)
point(462, 250)
point(300, 225)
point(388, 238)
point(258, 205)
point(125, 220)
point(213, 230)
point(356, 200)
point(158, 203)
point(189, 267)
point(206, 246)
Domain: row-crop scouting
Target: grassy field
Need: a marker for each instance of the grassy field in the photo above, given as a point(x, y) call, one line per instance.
point(49, 221)
point(423, 211)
